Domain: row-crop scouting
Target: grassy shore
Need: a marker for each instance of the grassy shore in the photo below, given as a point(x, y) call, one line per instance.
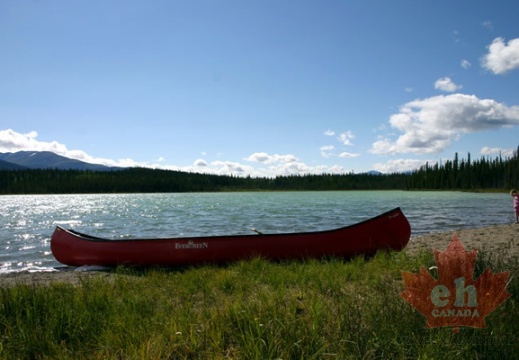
point(326, 309)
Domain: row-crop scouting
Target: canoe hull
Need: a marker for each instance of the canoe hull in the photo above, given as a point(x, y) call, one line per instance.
point(388, 231)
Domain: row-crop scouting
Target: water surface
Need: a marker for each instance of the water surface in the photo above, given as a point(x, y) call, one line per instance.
point(27, 221)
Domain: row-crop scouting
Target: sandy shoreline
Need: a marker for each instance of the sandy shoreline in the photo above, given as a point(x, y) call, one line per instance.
point(502, 240)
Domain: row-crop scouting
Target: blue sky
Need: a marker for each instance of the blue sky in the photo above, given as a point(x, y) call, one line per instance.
point(260, 87)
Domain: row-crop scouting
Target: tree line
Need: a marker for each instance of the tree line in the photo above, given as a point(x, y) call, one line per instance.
point(457, 174)
point(467, 174)
point(142, 180)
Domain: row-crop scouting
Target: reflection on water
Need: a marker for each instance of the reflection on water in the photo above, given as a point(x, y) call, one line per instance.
point(27, 221)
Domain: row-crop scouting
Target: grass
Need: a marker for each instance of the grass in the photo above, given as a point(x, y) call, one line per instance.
point(314, 309)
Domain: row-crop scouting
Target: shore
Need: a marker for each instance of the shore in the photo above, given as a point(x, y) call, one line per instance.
point(500, 240)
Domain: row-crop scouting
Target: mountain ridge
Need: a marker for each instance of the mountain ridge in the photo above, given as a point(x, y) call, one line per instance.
point(21, 160)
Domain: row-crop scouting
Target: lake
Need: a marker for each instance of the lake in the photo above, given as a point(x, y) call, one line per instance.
point(27, 221)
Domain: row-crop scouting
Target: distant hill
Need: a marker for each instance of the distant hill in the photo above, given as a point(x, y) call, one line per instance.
point(374, 172)
point(46, 160)
point(4, 165)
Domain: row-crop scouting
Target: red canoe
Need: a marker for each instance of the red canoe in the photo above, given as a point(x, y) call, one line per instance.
point(388, 231)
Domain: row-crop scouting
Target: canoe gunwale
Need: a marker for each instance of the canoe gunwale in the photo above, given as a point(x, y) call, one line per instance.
point(81, 236)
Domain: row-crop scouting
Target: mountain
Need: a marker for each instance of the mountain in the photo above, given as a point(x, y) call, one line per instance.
point(374, 172)
point(46, 160)
point(4, 165)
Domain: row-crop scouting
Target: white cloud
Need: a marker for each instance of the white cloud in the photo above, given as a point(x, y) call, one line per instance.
point(502, 58)
point(465, 64)
point(285, 158)
point(268, 165)
point(329, 133)
point(455, 34)
point(400, 165)
point(326, 151)
point(346, 137)
point(446, 84)
point(270, 170)
point(11, 141)
point(348, 155)
point(293, 168)
point(229, 167)
point(263, 157)
point(430, 125)
point(488, 24)
point(200, 163)
point(496, 151)
point(289, 165)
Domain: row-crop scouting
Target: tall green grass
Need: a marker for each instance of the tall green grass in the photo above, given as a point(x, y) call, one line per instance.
point(314, 309)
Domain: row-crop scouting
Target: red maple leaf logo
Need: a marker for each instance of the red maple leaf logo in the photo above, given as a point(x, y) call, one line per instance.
point(455, 299)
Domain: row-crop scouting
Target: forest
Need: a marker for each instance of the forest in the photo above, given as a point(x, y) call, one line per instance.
point(485, 173)
point(466, 174)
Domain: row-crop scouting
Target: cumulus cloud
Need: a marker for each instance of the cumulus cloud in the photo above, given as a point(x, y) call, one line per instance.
point(400, 165)
point(446, 84)
point(288, 164)
point(267, 165)
point(496, 151)
point(293, 168)
point(488, 24)
point(455, 34)
point(229, 167)
point(274, 165)
point(200, 163)
point(346, 137)
point(465, 64)
point(502, 57)
point(430, 125)
point(348, 155)
point(326, 151)
point(271, 169)
point(263, 157)
point(11, 141)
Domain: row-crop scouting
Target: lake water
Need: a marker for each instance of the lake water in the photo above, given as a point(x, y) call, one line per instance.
point(27, 221)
